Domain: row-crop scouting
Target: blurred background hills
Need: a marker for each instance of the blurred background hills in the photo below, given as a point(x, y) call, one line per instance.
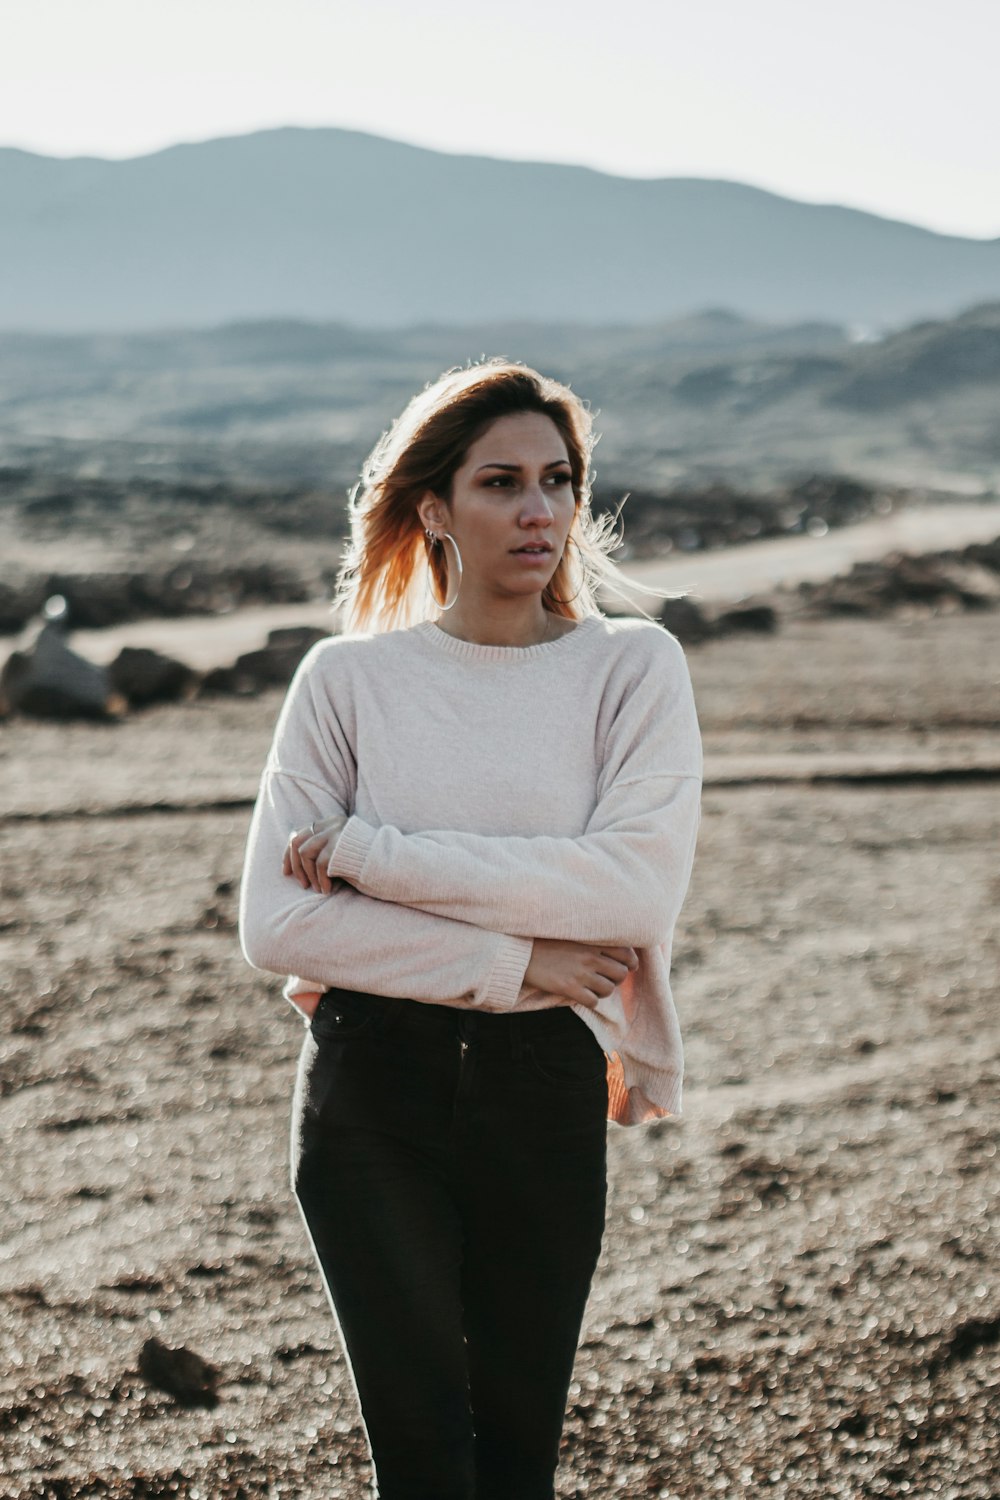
point(202, 344)
point(328, 224)
point(712, 395)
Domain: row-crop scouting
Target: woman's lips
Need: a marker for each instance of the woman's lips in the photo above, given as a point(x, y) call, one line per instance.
point(532, 557)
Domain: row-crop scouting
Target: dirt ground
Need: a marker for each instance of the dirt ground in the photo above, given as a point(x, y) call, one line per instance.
point(798, 1293)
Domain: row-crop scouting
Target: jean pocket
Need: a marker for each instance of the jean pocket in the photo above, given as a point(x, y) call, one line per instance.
point(569, 1059)
point(345, 1013)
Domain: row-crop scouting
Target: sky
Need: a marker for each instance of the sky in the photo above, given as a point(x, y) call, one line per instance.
point(886, 105)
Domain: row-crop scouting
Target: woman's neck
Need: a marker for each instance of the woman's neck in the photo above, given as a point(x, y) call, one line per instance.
point(486, 630)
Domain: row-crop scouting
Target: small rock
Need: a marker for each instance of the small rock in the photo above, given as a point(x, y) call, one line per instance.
point(757, 617)
point(50, 681)
point(180, 1372)
point(145, 677)
point(272, 666)
point(686, 620)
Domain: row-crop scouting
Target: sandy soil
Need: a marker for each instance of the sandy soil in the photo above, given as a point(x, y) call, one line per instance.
point(798, 1292)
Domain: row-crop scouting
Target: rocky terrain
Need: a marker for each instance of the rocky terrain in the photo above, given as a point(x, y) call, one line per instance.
point(798, 1291)
point(44, 673)
point(712, 397)
point(142, 549)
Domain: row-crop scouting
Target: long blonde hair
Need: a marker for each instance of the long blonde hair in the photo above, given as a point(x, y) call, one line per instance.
point(383, 583)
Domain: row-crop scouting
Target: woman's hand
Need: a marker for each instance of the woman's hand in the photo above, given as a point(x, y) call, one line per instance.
point(585, 973)
point(308, 852)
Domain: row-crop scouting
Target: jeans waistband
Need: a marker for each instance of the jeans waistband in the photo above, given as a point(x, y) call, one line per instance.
point(465, 1021)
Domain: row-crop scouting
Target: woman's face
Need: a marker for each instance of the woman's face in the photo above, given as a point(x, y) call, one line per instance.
point(514, 491)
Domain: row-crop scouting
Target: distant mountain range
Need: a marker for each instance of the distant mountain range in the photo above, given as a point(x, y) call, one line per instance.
point(327, 224)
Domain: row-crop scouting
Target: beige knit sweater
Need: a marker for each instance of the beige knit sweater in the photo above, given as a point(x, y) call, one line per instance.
point(496, 794)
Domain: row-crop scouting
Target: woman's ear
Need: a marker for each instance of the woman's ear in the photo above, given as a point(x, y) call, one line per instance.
point(431, 511)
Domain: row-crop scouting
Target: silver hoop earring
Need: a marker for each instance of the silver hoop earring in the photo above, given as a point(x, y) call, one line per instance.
point(554, 597)
point(433, 539)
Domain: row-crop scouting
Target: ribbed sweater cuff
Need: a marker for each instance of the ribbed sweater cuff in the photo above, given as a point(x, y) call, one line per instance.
point(507, 975)
point(351, 849)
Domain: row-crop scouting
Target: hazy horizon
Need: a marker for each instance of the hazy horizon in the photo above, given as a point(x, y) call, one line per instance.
point(883, 109)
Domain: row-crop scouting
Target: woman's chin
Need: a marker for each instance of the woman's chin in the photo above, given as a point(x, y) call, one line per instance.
point(529, 580)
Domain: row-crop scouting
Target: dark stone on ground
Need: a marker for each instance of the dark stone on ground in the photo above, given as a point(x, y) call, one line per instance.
point(962, 580)
point(272, 666)
point(180, 1372)
point(48, 680)
point(762, 618)
point(143, 677)
point(686, 620)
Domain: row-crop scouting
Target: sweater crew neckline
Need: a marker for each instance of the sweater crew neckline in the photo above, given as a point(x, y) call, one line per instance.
point(477, 651)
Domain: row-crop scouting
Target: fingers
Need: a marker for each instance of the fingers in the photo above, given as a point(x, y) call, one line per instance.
point(590, 989)
point(612, 969)
point(308, 852)
point(607, 968)
point(628, 956)
point(605, 977)
point(306, 859)
point(317, 852)
point(293, 864)
point(315, 856)
point(585, 973)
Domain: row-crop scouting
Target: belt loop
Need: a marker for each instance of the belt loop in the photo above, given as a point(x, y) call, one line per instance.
point(516, 1037)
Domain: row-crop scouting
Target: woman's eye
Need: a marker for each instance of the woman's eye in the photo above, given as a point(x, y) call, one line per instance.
point(506, 481)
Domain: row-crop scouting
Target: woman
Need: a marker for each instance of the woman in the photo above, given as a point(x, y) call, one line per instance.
point(474, 833)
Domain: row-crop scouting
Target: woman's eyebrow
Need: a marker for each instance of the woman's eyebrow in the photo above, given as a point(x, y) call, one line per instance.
point(556, 463)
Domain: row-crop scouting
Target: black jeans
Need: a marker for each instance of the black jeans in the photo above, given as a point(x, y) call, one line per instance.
point(451, 1170)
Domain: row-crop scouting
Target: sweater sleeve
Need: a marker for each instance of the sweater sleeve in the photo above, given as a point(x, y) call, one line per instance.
point(623, 881)
point(348, 938)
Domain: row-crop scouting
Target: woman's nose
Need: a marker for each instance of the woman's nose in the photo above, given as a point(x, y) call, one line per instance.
point(536, 505)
